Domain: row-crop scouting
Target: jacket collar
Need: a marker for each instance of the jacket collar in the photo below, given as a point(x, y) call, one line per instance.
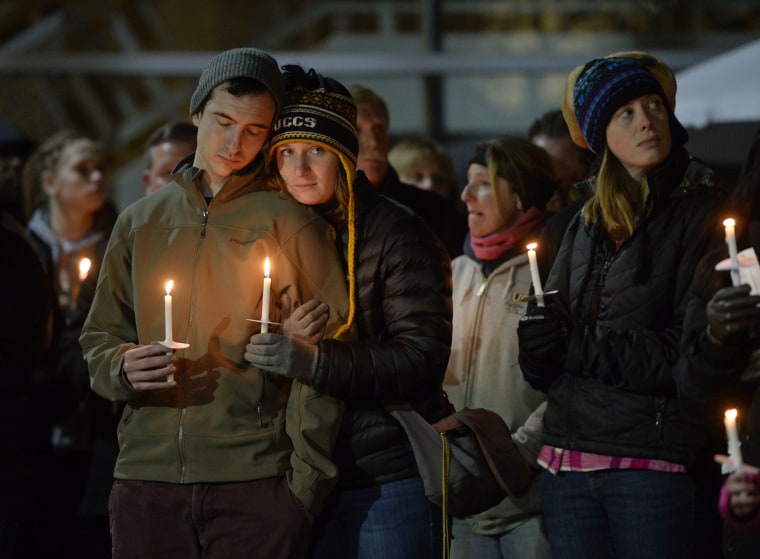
point(248, 179)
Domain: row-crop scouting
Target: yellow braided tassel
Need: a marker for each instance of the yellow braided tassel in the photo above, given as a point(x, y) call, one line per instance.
point(351, 248)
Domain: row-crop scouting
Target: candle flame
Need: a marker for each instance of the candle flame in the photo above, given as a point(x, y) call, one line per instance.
point(729, 222)
point(169, 287)
point(532, 246)
point(731, 414)
point(266, 267)
point(84, 267)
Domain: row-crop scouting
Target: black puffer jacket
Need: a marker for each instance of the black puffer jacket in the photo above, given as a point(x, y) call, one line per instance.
point(625, 308)
point(403, 321)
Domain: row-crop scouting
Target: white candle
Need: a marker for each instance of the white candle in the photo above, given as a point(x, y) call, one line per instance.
point(729, 224)
point(168, 310)
point(734, 452)
point(534, 275)
point(265, 300)
point(84, 268)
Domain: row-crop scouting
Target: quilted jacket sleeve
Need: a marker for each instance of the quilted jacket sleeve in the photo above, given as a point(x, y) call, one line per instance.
point(403, 317)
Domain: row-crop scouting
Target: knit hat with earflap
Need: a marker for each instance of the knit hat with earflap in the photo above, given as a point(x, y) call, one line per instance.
point(594, 91)
point(239, 63)
point(320, 110)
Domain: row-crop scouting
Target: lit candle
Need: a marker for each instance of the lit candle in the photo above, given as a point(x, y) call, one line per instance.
point(734, 452)
point(265, 301)
point(535, 277)
point(84, 268)
point(729, 224)
point(168, 310)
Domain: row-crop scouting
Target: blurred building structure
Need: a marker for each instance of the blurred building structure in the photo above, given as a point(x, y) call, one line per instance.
point(457, 70)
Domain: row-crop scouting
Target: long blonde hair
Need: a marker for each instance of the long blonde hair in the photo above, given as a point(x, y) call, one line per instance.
point(344, 212)
point(611, 204)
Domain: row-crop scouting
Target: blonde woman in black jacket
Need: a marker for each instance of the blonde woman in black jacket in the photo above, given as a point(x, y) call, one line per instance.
point(616, 446)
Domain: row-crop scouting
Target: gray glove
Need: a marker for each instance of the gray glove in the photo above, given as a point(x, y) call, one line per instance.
point(289, 356)
point(307, 321)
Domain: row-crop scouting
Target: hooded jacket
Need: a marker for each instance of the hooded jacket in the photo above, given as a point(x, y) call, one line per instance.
point(483, 371)
point(224, 421)
point(615, 393)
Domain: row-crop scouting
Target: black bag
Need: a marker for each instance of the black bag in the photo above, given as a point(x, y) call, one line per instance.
point(467, 460)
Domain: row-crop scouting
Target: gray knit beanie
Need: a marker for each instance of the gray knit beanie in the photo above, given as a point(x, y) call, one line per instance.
point(239, 63)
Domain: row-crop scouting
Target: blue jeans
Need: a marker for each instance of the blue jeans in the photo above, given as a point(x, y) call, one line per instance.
point(620, 514)
point(526, 541)
point(393, 519)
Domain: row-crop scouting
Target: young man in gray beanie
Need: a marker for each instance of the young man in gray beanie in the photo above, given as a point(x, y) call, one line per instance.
point(217, 458)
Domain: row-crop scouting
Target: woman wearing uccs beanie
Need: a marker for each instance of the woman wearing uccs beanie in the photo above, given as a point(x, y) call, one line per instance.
point(616, 445)
point(399, 279)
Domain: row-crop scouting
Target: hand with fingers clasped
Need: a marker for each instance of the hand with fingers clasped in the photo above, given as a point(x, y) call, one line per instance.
point(292, 354)
point(148, 366)
point(307, 321)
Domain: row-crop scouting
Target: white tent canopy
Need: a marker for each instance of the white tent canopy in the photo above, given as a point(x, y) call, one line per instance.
point(723, 89)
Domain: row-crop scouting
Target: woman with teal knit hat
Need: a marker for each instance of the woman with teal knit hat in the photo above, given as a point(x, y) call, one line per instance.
point(617, 448)
point(399, 280)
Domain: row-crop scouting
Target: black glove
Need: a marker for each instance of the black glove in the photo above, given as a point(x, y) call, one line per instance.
point(289, 356)
point(731, 313)
point(541, 335)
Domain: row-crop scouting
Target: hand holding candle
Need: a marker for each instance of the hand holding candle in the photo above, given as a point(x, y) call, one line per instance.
point(733, 254)
point(169, 342)
point(734, 450)
point(265, 300)
point(534, 275)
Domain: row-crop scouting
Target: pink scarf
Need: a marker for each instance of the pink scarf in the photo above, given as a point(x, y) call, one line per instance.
point(493, 246)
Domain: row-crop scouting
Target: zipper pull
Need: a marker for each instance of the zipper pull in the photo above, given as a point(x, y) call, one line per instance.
point(481, 289)
point(204, 221)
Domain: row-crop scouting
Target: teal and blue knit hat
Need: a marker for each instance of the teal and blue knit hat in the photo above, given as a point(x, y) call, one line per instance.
point(603, 85)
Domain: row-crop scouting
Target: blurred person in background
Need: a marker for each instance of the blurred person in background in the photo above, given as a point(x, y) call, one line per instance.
point(424, 163)
point(372, 123)
point(573, 164)
point(71, 221)
point(166, 147)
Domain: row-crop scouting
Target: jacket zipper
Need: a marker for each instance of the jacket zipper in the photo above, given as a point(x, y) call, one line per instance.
point(204, 221)
point(596, 303)
point(598, 291)
point(180, 441)
point(659, 403)
point(260, 403)
point(470, 350)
